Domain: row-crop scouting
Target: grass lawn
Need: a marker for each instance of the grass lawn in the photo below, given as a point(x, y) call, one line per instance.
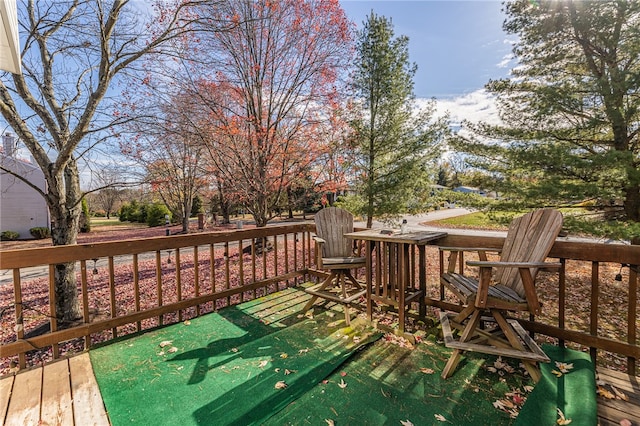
point(478, 220)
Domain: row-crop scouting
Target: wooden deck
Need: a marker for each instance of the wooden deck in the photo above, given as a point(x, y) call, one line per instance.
point(61, 393)
point(66, 393)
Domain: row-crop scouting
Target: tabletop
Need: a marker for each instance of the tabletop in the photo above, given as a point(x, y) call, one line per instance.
point(394, 236)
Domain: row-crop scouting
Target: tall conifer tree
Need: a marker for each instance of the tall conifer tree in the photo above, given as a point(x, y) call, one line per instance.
point(394, 141)
point(571, 110)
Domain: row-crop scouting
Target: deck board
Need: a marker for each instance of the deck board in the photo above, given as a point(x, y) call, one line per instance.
point(88, 408)
point(6, 386)
point(56, 395)
point(24, 406)
point(612, 411)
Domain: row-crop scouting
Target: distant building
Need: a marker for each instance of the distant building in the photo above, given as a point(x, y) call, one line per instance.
point(469, 190)
point(21, 206)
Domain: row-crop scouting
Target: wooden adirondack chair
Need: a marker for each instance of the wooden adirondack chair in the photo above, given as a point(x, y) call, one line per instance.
point(335, 254)
point(511, 288)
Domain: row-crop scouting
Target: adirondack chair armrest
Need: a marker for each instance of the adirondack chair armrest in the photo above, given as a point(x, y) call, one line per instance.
point(457, 253)
point(525, 273)
point(319, 243)
point(489, 249)
point(498, 264)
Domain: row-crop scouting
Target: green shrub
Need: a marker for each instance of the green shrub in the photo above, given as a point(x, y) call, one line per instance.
point(129, 212)
point(40, 232)
point(9, 236)
point(156, 214)
point(197, 206)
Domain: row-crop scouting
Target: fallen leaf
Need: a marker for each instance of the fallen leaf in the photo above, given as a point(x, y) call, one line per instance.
point(342, 384)
point(172, 349)
point(440, 418)
point(406, 422)
point(281, 385)
point(303, 351)
point(187, 322)
point(329, 422)
point(427, 370)
point(284, 355)
point(343, 373)
point(263, 363)
point(234, 349)
point(518, 399)
point(621, 395)
point(625, 422)
point(605, 393)
point(557, 373)
point(562, 420)
point(165, 343)
point(564, 367)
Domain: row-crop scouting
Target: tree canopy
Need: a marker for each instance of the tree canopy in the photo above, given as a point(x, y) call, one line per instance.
point(570, 110)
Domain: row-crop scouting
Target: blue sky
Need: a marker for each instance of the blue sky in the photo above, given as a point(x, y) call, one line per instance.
point(457, 45)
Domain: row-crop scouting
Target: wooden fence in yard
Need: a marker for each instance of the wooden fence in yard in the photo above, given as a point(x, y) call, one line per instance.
point(178, 277)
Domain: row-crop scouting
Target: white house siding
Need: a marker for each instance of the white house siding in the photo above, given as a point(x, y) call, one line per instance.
point(21, 207)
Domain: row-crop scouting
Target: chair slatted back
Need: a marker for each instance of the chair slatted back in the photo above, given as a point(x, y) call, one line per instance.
point(331, 225)
point(529, 239)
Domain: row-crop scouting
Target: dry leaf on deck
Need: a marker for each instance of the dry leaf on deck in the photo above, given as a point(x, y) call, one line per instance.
point(621, 395)
point(564, 367)
point(562, 420)
point(605, 393)
point(440, 418)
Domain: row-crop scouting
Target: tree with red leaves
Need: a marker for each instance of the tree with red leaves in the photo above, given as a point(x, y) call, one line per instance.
point(274, 89)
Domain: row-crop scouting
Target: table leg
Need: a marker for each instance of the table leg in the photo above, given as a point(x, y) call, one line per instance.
point(402, 283)
point(369, 281)
point(422, 280)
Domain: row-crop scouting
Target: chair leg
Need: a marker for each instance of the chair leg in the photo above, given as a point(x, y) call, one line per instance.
point(347, 315)
point(323, 285)
point(513, 338)
point(469, 331)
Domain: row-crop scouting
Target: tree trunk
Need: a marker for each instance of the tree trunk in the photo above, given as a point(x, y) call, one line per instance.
point(64, 231)
point(65, 207)
point(632, 208)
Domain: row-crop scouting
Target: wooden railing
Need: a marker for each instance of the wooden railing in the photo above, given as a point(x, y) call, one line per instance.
point(594, 301)
point(129, 286)
point(179, 277)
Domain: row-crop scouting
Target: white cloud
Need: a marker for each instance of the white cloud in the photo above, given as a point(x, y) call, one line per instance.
point(474, 106)
point(506, 59)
